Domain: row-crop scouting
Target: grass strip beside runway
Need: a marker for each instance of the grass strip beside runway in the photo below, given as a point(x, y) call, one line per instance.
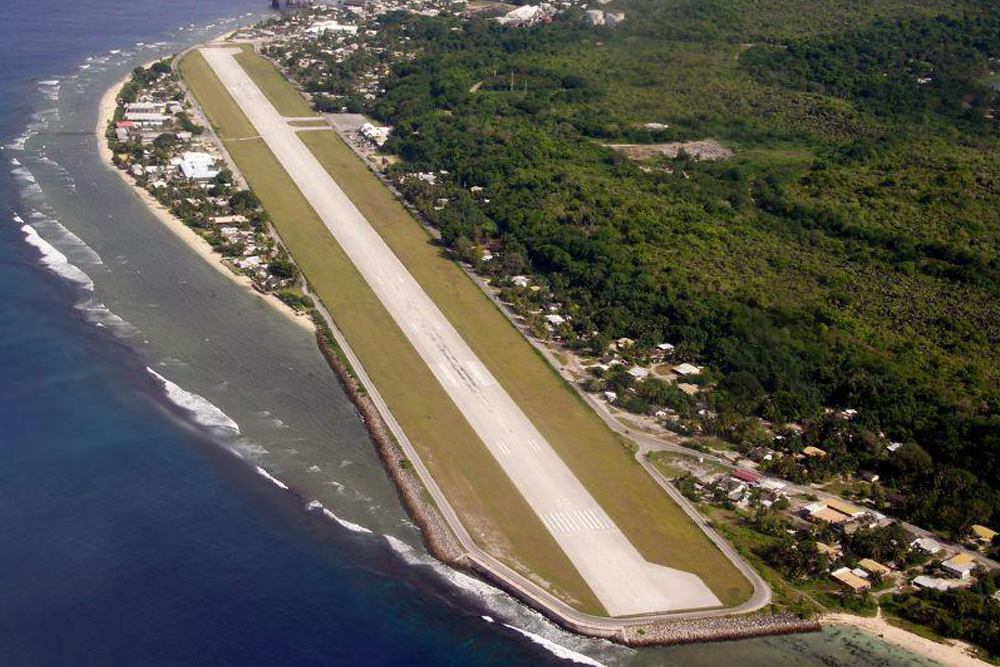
point(655, 524)
point(492, 510)
point(273, 84)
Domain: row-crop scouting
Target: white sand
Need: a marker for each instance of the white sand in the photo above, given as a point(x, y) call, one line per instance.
point(952, 654)
point(193, 240)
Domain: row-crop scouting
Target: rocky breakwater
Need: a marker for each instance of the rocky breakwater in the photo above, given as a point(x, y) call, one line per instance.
point(717, 628)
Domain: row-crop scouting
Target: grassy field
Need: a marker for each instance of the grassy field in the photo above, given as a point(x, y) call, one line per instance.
point(224, 114)
point(652, 521)
point(472, 479)
point(493, 511)
point(278, 91)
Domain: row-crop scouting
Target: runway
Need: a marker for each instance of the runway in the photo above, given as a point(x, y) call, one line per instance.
point(624, 582)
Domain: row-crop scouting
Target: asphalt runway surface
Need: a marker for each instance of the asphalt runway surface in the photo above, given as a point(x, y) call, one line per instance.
point(620, 577)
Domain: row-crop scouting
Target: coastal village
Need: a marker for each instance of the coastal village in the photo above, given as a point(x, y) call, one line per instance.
point(795, 498)
point(156, 141)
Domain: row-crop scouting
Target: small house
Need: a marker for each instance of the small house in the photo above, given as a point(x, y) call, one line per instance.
point(927, 545)
point(873, 567)
point(959, 566)
point(984, 534)
point(851, 580)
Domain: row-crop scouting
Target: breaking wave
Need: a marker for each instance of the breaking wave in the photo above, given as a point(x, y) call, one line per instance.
point(204, 412)
point(54, 260)
point(271, 478)
point(353, 527)
point(557, 649)
point(505, 606)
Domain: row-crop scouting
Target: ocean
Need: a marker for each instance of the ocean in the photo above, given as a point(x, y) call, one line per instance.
point(182, 480)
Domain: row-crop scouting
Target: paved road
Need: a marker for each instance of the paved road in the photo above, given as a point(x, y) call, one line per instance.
point(622, 580)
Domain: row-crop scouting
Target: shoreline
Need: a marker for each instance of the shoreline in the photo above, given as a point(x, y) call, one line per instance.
point(201, 247)
point(952, 653)
point(439, 537)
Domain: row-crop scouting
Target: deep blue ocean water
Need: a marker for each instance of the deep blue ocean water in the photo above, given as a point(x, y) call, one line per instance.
point(129, 534)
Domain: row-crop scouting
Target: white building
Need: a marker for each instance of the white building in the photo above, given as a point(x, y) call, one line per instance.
point(196, 166)
point(555, 320)
point(376, 134)
point(147, 119)
point(331, 26)
point(927, 545)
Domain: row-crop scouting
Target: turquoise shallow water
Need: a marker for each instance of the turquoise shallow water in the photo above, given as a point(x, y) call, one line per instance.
point(136, 526)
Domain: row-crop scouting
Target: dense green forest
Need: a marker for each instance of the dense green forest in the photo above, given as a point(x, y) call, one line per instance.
point(845, 256)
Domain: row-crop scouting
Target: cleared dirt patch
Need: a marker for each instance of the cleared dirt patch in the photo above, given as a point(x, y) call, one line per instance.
point(706, 149)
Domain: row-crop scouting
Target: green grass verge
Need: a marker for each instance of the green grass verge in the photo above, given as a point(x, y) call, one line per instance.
point(222, 111)
point(655, 524)
point(319, 122)
point(492, 510)
point(278, 91)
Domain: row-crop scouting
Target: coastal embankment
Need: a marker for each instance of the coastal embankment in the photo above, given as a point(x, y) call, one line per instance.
point(201, 247)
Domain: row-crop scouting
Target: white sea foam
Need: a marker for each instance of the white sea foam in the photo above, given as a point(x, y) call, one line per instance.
point(247, 448)
point(557, 649)
point(277, 482)
point(74, 247)
point(507, 607)
point(55, 261)
point(353, 527)
point(412, 557)
point(22, 174)
point(345, 523)
point(205, 413)
point(100, 315)
point(49, 88)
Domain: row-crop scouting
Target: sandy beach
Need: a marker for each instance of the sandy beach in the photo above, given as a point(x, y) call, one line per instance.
point(954, 653)
point(194, 241)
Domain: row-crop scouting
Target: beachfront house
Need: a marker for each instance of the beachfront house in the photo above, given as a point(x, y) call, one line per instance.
point(194, 166)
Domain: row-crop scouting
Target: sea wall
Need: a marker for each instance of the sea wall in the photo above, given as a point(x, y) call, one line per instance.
point(715, 629)
point(438, 537)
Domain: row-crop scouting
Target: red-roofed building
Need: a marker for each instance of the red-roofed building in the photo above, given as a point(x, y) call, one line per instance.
point(746, 476)
point(125, 124)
